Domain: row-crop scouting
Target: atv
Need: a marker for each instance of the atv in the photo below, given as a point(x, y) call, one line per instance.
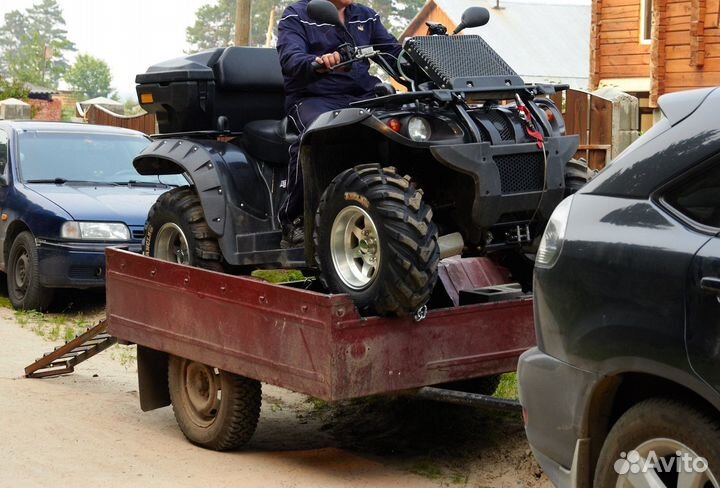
point(468, 161)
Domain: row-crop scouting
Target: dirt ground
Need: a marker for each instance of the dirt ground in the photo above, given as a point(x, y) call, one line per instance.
point(87, 430)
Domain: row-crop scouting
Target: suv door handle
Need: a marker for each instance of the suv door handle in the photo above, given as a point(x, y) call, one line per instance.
point(710, 284)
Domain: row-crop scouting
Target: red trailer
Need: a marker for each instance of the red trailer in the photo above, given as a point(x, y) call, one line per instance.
point(206, 340)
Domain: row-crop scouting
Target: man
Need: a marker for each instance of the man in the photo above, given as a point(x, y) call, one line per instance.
point(311, 91)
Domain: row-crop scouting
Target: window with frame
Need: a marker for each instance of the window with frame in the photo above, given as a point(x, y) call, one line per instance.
point(646, 15)
point(3, 151)
point(698, 197)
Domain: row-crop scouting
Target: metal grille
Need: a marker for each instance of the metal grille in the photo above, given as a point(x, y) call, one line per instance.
point(137, 232)
point(502, 124)
point(445, 58)
point(521, 173)
point(79, 272)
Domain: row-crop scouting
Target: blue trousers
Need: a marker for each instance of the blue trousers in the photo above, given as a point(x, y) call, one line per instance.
point(302, 114)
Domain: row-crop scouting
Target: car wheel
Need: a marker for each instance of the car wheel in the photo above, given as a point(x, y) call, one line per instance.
point(214, 409)
point(648, 446)
point(176, 231)
point(23, 275)
point(375, 240)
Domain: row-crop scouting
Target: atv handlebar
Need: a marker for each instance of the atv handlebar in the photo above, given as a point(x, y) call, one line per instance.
point(349, 55)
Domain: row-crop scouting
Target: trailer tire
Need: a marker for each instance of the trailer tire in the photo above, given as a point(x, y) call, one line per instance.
point(393, 267)
point(577, 175)
point(221, 422)
point(176, 231)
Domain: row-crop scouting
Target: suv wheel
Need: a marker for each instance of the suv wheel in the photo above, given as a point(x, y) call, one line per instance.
point(375, 240)
point(661, 443)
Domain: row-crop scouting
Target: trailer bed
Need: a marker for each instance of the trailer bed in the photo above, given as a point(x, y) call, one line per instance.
point(309, 342)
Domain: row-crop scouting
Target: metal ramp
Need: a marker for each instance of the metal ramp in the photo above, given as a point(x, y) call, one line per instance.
point(63, 359)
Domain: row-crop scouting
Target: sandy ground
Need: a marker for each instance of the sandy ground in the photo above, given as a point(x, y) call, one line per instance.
point(87, 430)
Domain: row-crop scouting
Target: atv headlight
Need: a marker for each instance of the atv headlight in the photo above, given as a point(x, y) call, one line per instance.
point(554, 236)
point(419, 129)
point(96, 231)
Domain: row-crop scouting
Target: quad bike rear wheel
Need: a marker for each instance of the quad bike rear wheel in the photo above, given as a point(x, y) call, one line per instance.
point(577, 175)
point(214, 409)
point(375, 240)
point(176, 231)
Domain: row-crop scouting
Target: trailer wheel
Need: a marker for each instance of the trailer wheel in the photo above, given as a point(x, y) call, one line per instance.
point(375, 240)
point(214, 409)
point(176, 231)
point(577, 175)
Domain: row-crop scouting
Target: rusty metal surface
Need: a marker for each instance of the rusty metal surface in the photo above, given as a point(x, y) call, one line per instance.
point(304, 341)
point(458, 274)
point(63, 359)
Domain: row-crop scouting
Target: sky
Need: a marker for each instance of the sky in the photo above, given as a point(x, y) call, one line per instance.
point(130, 35)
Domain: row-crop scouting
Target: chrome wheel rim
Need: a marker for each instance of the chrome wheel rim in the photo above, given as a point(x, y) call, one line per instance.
point(670, 471)
point(355, 247)
point(201, 391)
point(171, 244)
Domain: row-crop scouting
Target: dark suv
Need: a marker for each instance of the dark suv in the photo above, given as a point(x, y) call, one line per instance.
point(622, 390)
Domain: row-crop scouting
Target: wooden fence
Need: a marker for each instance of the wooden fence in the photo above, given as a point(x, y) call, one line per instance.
point(591, 117)
point(98, 115)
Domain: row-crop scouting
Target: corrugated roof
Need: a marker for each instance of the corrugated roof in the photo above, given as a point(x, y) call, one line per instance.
point(542, 40)
point(100, 101)
point(13, 102)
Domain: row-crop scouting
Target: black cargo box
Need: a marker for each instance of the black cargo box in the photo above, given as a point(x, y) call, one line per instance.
point(190, 93)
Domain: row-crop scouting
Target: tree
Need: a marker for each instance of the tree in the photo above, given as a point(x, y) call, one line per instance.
point(90, 77)
point(215, 23)
point(33, 44)
point(12, 89)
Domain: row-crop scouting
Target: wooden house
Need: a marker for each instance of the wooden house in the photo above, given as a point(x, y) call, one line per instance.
point(652, 47)
point(543, 40)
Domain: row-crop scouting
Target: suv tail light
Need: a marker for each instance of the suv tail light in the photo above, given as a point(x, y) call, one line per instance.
point(554, 236)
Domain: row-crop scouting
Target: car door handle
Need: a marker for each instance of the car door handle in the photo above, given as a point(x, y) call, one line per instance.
point(710, 284)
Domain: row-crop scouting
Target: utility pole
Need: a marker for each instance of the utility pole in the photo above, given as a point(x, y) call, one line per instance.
point(271, 28)
point(242, 23)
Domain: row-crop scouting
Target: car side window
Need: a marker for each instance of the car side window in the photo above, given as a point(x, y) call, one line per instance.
point(3, 151)
point(698, 197)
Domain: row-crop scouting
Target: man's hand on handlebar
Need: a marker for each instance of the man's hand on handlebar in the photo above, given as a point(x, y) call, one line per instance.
point(327, 62)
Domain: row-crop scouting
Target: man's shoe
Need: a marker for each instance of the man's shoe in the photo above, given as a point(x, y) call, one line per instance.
point(293, 235)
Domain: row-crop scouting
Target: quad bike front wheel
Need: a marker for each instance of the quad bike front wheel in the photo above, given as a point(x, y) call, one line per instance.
point(214, 409)
point(176, 231)
point(375, 240)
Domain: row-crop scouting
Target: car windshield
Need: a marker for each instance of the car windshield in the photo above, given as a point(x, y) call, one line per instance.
point(67, 157)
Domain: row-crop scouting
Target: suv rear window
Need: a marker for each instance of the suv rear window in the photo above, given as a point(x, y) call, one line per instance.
point(698, 197)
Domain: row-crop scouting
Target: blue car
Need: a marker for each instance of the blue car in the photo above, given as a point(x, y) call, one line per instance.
point(67, 191)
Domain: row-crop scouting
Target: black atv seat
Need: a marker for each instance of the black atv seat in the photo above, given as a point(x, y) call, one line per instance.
point(249, 85)
point(269, 140)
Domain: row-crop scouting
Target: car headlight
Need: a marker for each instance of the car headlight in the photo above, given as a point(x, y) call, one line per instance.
point(96, 231)
point(554, 236)
point(419, 129)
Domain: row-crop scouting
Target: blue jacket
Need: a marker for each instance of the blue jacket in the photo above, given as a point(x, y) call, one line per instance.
point(301, 40)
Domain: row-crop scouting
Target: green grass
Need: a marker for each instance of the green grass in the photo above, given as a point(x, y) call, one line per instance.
point(278, 275)
point(427, 469)
point(508, 387)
